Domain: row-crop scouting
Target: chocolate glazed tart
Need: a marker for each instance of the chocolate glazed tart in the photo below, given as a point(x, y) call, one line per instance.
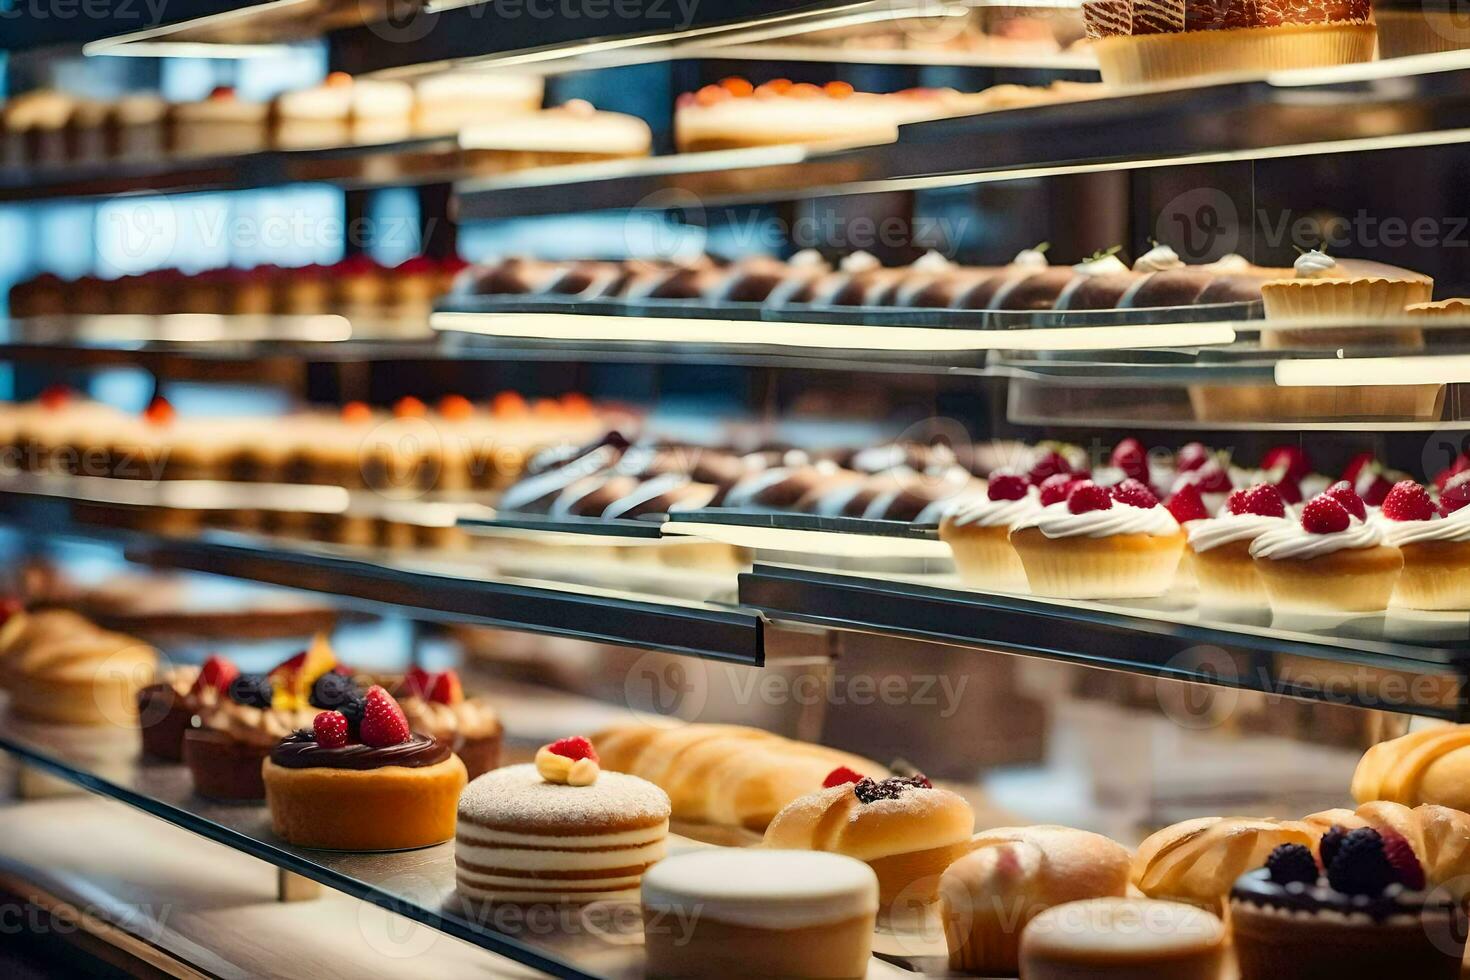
point(363, 798)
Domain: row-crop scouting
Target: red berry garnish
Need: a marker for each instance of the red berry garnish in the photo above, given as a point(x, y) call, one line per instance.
point(1408, 501)
point(1130, 457)
point(575, 747)
point(1006, 486)
point(1088, 496)
point(1212, 478)
point(1373, 487)
point(1403, 860)
point(10, 606)
point(1048, 463)
point(1443, 477)
point(1348, 497)
point(416, 682)
point(1290, 490)
point(216, 674)
point(1356, 465)
point(410, 407)
point(1324, 515)
point(55, 396)
point(1290, 461)
point(1134, 494)
point(357, 412)
point(159, 411)
point(1054, 489)
point(330, 729)
point(383, 723)
point(1187, 505)
point(840, 776)
point(1235, 503)
point(1263, 501)
point(1456, 495)
point(446, 689)
point(1191, 457)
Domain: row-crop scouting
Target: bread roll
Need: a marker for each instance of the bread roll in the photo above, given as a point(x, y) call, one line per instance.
point(1439, 836)
point(1013, 874)
point(724, 774)
point(1197, 861)
point(908, 840)
point(1428, 766)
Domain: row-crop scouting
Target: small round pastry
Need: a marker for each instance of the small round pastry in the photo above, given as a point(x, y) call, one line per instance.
point(732, 912)
point(220, 125)
point(316, 116)
point(1197, 861)
point(1369, 916)
point(1344, 295)
point(448, 102)
point(363, 784)
point(1219, 547)
point(735, 114)
point(61, 668)
point(1333, 560)
point(1013, 874)
point(1427, 766)
point(435, 705)
point(166, 710)
point(1123, 939)
point(559, 830)
point(1435, 542)
point(978, 531)
point(906, 830)
point(574, 132)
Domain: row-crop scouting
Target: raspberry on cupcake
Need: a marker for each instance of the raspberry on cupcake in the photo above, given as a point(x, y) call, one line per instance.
point(166, 710)
point(435, 704)
point(1219, 547)
point(978, 532)
point(1332, 560)
point(1098, 545)
point(1435, 541)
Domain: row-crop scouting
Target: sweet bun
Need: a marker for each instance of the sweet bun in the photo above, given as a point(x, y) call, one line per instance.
point(723, 774)
point(1012, 875)
point(908, 838)
point(1197, 861)
point(1428, 766)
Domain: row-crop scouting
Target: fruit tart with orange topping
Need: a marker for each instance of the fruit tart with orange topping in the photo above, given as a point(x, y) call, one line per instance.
point(362, 780)
point(435, 704)
point(225, 751)
point(166, 710)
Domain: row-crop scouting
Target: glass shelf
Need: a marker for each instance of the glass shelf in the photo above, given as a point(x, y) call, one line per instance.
point(1411, 663)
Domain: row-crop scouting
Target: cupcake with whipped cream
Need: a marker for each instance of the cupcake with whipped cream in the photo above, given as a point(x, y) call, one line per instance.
point(435, 705)
point(1219, 547)
point(1332, 560)
point(1100, 544)
point(1435, 542)
point(978, 532)
point(1347, 294)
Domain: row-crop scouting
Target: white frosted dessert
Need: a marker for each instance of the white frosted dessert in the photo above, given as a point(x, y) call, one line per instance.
point(1435, 542)
point(220, 125)
point(1329, 561)
point(727, 912)
point(978, 532)
point(574, 128)
point(447, 103)
point(1219, 548)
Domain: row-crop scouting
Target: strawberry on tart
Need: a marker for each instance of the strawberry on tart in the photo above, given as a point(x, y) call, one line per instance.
point(1100, 544)
point(1334, 560)
point(560, 830)
point(1219, 547)
point(363, 782)
point(1435, 541)
point(978, 532)
point(435, 704)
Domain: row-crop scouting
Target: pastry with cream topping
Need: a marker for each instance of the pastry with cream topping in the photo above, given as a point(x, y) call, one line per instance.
point(1219, 547)
point(220, 125)
point(1100, 543)
point(359, 779)
point(978, 531)
point(435, 704)
point(1345, 295)
point(1435, 541)
point(729, 912)
point(560, 830)
point(1331, 560)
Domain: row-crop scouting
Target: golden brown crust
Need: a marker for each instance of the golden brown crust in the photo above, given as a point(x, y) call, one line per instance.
point(1198, 860)
point(364, 810)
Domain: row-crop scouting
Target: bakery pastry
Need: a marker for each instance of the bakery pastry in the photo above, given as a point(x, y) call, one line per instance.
point(1348, 295)
point(1219, 547)
point(1198, 860)
point(1358, 908)
point(166, 710)
point(724, 774)
point(574, 132)
point(1426, 766)
point(1142, 41)
point(1123, 939)
point(1435, 542)
point(728, 913)
point(59, 667)
point(978, 531)
point(220, 125)
point(234, 736)
point(1011, 875)
point(361, 780)
point(142, 121)
point(1332, 560)
point(906, 830)
point(559, 830)
point(435, 705)
point(1100, 543)
point(1438, 835)
point(448, 102)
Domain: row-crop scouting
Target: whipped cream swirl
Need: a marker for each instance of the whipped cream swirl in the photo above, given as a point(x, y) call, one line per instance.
point(984, 512)
point(1315, 265)
point(1158, 259)
point(1230, 263)
point(859, 262)
point(1454, 528)
point(1104, 265)
point(931, 261)
point(1030, 258)
point(1204, 535)
point(1292, 541)
point(1056, 521)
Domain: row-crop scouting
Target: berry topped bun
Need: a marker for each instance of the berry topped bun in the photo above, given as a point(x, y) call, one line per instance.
point(902, 826)
point(1100, 544)
point(1331, 560)
point(1435, 540)
point(435, 704)
point(238, 727)
point(1219, 548)
point(1356, 908)
point(978, 532)
point(360, 780)
point(560, 830)
point(166, 710)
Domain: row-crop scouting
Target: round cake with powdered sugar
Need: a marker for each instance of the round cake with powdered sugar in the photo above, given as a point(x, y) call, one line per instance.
point(560, 830)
